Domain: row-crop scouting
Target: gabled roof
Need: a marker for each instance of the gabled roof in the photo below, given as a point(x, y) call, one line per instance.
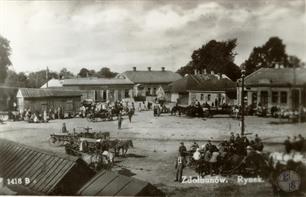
point(39, 93)
point(107, 183)
point(45, 170)
point(277, 77)
point(97, 81)
point(53, 83)
point(152, 76)
point(202, 82)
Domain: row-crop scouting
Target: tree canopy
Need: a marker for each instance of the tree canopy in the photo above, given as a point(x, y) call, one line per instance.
point(271, 54)
point(5, 52)
point(217, 56)
point(65, 74)
point(106, 73)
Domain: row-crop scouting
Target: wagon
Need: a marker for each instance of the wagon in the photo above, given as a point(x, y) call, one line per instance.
point(61, 138)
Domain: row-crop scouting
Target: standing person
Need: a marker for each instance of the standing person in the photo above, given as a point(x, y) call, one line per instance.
point(182, 149)
point(287, 145)
point(120, 119)
point(213, 165)
point(58, 112)
point(45, 116)
point(64, 129)
point(130, 114)
point(179, 166)
point(15, 106)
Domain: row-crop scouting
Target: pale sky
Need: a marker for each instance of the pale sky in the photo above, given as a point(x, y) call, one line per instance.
point(123, 34)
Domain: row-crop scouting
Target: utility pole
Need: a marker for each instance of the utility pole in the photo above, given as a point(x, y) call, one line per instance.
point(242, 101)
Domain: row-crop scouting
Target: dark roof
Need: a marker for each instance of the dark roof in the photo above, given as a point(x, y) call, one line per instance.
point(277, 77)
point(97, 81)
point(202, 82)
point(152, 76)
point(107, 183)
point(45, 170)
point(38, 93)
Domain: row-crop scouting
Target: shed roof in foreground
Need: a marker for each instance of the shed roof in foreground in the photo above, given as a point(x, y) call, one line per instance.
point(107, 183)
point(45, 170)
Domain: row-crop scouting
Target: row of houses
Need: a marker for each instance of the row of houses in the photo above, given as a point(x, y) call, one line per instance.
point(283, 87)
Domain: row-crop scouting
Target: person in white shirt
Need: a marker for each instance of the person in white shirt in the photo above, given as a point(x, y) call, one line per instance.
point(197, 155)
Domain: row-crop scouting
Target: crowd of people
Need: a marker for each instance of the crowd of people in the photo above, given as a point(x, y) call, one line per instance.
point(38, 116)
point(210, 155)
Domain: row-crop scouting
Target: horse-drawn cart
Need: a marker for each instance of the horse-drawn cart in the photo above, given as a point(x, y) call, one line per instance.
point(98, 153)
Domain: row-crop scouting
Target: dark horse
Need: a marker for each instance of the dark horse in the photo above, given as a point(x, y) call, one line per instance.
point(124, 145)
point(177, 109)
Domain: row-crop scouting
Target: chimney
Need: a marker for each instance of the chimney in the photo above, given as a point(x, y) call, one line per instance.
point(134, 68)
point(163, 68)
point(149, 68)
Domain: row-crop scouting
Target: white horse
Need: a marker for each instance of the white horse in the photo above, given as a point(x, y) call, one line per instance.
point(99, 161)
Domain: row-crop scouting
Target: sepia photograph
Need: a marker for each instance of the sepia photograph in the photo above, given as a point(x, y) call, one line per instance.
point(153, 98)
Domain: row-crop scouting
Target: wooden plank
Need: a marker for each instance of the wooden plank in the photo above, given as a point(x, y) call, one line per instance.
point(43, 175)
point(100, 184)
point(28, 164)
point(115, 186)
point(40, 169)
point(4, 153)
point(52, 168)
point(88, 184)
point(58, 177)
point(18, 161)
point(20, 165)
point(34, 167)
point(9, 160)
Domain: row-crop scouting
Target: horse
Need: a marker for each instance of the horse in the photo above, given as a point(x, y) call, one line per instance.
point(98, 161)
point(124, 145)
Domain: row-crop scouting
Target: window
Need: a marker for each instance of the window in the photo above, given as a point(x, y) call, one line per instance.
point(274, 97)
point(254, 98)
point(202, 97)
point(96, 95)
point(104, 95)
point(126, 93)
point(208, 97)
point(148, 93)
point(283, 97)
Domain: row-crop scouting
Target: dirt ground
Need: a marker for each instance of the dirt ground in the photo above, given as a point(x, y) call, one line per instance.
point(156, 141)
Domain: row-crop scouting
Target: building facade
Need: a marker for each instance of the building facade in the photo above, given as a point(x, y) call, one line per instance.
point(147, 83)
point(101, 89)
point(284, 88)
point(212, 89)
point(45, 99)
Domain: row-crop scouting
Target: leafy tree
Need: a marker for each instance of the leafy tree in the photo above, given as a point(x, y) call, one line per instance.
point(5, 52)
point(84, 72)
point(271, 54)
point(217, 56)
point(188, 69)
point(105, 72)
point(37, 79)
point(65, 74)
point(14, 79)
point(294, 61)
